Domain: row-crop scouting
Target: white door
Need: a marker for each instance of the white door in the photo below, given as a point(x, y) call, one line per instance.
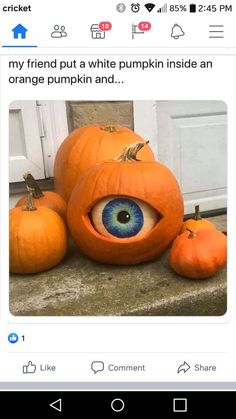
point(26, 153)
point(190, 137)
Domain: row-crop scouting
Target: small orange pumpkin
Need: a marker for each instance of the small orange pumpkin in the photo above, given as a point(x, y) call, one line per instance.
point(197, 222)
point(38, 238)
point(45, 199)
point(198, 254)
point(88, 145)
point(125, 211)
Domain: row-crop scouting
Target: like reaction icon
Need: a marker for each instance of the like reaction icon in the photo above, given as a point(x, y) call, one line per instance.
point(13, 338)
point(30, 368)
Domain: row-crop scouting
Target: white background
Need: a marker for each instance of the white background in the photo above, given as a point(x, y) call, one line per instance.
point(100, 337)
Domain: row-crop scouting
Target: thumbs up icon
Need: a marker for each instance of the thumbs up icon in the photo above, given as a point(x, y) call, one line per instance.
point(30, 368)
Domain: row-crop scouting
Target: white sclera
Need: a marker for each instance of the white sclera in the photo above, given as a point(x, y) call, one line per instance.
point(150, 217)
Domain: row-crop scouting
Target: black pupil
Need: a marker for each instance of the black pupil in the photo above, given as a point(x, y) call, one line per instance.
point(123, 217)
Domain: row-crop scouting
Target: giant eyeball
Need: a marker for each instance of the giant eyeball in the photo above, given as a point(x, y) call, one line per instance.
point(125, 212)
point(123, 217)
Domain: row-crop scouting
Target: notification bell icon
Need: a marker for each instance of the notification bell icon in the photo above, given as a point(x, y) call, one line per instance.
point(177, 31)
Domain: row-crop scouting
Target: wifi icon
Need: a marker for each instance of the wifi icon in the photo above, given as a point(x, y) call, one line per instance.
point(149, 6)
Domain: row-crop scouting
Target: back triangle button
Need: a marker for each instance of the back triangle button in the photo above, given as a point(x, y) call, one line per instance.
point(57, 405)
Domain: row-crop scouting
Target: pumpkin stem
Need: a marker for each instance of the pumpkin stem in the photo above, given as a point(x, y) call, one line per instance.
point(192, 233)
point(29, 206)
point(197, 216)
point(32, 184)
point(130, 152)
point(109, 128)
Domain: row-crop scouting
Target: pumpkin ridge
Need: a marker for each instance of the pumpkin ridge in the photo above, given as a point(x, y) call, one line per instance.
point(96, 180)
point(121, 175)
point(142, 179)
point(20, 241)
point(100, 144)
point(78, 149)
point(199, 254)
point(17, 238)
point(38, 227)
point(202, 256)
point(195, 254)
point(47, 240)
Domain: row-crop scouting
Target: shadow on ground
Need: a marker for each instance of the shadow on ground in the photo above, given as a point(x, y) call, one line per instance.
point(81, 287)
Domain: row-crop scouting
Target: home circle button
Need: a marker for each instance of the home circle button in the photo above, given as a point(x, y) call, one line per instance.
point(117, 405)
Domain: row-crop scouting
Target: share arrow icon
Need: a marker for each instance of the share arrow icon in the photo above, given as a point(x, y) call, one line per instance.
point(183, 367)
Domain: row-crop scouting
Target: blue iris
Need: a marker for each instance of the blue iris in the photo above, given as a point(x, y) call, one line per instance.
point(122, 217)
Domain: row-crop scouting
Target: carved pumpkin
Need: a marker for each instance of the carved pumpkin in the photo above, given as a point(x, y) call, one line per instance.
point(125, 211)
point(45, 199)
point(197, 222)
point(38, 238)
point(198, 254)
point(86, 146)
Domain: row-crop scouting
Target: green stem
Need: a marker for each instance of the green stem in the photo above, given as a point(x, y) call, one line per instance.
point(130, 152)
point(192, 233)
point(197, 213)
point(32, 184)
point(29, 206)
point(109, 128)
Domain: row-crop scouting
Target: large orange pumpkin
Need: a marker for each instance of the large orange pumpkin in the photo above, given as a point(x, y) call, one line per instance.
point(198, 254)
point(38, 239)
point(197, 222)
point(86, 146)
point(48, 199)
point(125, 211)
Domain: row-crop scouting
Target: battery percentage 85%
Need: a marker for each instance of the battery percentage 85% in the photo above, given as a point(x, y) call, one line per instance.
point(178, 8)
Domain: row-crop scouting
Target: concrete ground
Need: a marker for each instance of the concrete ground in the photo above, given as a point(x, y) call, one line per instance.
point(81, 287)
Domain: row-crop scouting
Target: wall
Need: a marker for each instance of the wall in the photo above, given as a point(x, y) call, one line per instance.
point(101, 112)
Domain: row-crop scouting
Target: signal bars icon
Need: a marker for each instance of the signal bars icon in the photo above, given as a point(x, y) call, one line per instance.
point(163, 9)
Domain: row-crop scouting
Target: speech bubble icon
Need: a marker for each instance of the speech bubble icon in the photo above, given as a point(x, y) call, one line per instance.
point(97, 366)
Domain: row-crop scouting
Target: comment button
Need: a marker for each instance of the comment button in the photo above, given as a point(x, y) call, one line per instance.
point(97, 366)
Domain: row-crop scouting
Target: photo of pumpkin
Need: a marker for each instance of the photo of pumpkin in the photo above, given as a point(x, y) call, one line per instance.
point(38, 238)
point(88, 145)
point(107, 223)
point(125, 211)
point(198, 254)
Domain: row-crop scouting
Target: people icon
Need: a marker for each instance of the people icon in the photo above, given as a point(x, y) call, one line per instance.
point(63, 32)
point(58, 32)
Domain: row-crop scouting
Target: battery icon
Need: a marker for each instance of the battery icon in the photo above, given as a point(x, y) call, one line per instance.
point(192, 8)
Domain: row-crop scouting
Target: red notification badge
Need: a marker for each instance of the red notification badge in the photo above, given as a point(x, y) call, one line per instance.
point(144, 26)
point(105, 26)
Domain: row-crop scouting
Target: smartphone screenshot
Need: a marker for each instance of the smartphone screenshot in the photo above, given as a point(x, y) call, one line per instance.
point(117, 209)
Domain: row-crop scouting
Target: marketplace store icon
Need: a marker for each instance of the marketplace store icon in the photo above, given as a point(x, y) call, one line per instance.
point(96, 32)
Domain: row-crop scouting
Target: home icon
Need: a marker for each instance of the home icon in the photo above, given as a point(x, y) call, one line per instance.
point(19, 31)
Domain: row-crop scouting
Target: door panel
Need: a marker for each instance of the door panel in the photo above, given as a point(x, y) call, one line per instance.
point(200, 147)
point(192, 142)
point(26, 154)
